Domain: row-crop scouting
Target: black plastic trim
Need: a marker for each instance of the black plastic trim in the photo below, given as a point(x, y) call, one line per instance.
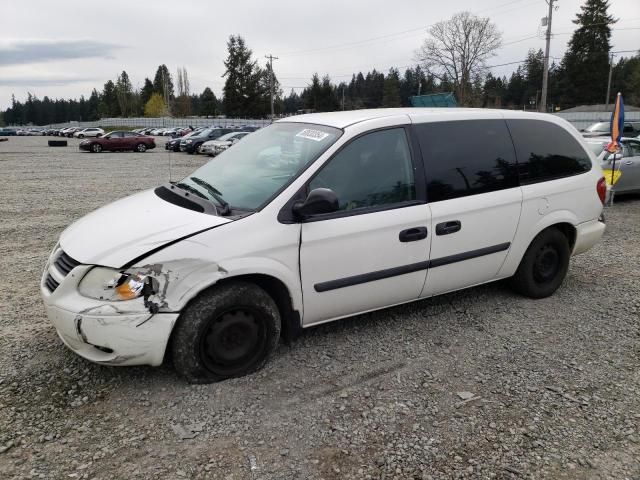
point(460, 257)
point(370, 277)
point(413, 267)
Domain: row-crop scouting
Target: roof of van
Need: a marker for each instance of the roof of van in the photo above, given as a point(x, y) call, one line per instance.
point(344, 119)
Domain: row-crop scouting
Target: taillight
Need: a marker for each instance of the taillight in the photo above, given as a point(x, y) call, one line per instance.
point(601, 188)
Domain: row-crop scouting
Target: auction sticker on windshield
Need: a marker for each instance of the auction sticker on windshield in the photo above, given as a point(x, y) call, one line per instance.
point(317, 135)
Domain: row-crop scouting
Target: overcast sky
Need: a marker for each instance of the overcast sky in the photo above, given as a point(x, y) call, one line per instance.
point(64, 49)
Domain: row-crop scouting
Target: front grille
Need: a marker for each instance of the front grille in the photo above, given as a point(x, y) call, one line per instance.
point(65, 263)
point(50, 283)
point(58, 269)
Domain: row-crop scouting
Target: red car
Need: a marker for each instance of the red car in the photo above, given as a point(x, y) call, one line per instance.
point(113, 141)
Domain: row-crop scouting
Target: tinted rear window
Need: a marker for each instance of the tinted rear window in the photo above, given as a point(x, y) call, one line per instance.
point(466, 158)
point(546, 151)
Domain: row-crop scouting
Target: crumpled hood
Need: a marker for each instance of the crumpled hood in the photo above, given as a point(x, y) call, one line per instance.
point(125, 229)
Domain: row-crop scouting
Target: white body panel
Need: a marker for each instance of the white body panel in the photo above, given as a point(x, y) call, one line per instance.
point(487, 220)
point(349, 246)
point(123, 230)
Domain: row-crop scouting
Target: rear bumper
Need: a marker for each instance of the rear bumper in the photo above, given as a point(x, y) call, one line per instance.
point(588, 234)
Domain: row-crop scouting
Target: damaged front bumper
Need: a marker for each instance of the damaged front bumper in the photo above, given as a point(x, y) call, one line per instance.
point(109, 333)
point(117, 339)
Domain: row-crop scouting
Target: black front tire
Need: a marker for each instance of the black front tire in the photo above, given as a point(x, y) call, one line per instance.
point(96, 148)
point(228, 331)
point(544, 265)
point(141, 148)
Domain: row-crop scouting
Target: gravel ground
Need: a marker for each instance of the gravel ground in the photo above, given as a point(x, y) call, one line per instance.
point(476, 384)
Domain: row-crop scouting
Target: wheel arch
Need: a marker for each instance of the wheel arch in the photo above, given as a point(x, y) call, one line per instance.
point(276, 288)
point(563, 220)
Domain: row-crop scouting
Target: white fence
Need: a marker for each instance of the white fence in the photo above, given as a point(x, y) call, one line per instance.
point(577, 119)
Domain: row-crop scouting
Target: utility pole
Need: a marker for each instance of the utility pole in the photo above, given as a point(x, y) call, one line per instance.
point(271, 58)
point(343, 97)
point(545, 74)
point(419, 86)
point(606, 103)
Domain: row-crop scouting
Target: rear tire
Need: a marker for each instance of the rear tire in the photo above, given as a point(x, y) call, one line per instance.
point(543, 266)
point(228, 331)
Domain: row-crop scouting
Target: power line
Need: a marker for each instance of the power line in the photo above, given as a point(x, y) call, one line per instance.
point(389, 35)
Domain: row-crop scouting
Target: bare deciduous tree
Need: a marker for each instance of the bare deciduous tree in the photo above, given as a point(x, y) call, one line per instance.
point(182, 102)
point(458, 49)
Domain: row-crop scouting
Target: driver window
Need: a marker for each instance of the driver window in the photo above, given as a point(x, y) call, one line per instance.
point(371, 171)
point(635, 149)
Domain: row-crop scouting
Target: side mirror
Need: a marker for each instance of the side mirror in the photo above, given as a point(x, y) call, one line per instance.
point(615, 156)
point(319, 200)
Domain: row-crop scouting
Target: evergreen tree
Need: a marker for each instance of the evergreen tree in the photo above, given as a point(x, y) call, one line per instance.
point(146, 92)
point(517, 89)
point(241, 87)
point(391, 92)
point(585, 65)
point(163, 80)
point(94, 106)
point(626, 79)
point(293, 102)
point(207, 103)
point(533, 72)
point(124, 94)
point(109, 101)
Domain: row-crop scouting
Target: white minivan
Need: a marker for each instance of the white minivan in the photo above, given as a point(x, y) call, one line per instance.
point(319, 217)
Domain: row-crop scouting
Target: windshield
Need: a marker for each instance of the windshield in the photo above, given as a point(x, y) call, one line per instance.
point(598, 127)
point(249, 174)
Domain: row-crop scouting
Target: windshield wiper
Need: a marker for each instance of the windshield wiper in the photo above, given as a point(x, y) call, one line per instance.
point(186, 186)
point(215, 193)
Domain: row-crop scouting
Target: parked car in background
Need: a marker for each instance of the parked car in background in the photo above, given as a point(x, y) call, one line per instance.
point(192, 143)
point(34, 132)
point(598, 129)
point(627, 162)
point(215, 147)
point(89, 132)
point(174, 143)
point(148, 130)
point(118, 140)
point(69, 133)
point(8, 132)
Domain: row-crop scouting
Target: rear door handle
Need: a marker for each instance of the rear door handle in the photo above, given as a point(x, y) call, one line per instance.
point(445, 228)
point(629, 162)
point(413, 234)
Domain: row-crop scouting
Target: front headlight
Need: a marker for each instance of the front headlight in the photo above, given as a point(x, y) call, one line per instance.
point(189, 141)
point(112, 285)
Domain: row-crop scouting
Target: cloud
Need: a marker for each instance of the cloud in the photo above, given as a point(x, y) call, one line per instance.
point(43, 81)
point(22, 51)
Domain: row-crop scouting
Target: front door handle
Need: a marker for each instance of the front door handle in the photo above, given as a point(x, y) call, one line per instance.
point(629, 162)
point(413, 234)
point(445, 228)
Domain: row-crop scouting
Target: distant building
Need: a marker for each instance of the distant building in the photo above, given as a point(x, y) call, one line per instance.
point(438, 100)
